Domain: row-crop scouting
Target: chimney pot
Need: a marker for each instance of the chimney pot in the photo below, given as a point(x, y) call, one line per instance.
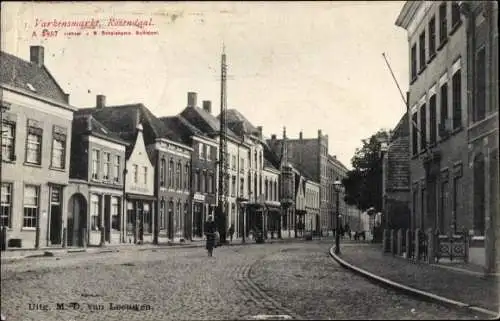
point(192, 97)
point(259, 129)
point(207, 106)
point(100, 101)
point(37, 55)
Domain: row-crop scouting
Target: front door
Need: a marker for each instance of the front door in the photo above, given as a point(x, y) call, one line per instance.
point(55, 215)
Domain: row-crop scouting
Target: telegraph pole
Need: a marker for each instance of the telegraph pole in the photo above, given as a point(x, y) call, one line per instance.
point(221, 215)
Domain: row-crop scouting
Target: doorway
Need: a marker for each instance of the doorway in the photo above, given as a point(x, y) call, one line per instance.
point(55, 215)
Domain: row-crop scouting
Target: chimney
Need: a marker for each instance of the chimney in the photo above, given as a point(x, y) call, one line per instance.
point(300, 135)
point(273, 137)
point(259, 129)
point(100, 101)
point(36, 55)
point(192, 96)
point(89, 123)
point(319, 133)
point(66, 96)
point(207, 106)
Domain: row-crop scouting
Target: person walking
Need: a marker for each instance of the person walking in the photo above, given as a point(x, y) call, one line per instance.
point(231, 232)
point(210, 235)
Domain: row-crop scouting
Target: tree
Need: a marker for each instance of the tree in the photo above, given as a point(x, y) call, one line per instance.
point(363, 184)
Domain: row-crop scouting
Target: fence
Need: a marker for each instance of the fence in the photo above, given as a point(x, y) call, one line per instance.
point(431, 246)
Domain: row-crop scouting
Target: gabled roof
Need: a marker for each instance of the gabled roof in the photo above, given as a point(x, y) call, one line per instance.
point(204, 121)
point(239, 124)
point(30, 77)
point(86, 124)
point(336, 162)
point(183, 128)
point(123, 119)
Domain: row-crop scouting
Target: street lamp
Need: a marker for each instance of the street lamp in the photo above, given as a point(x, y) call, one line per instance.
point(337, 185)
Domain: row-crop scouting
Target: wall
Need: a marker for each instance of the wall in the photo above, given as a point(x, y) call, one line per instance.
point(140, 157)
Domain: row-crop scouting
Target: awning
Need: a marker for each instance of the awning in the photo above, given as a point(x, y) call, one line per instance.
point(273, 208)
point(140, 197)
point(301, 212)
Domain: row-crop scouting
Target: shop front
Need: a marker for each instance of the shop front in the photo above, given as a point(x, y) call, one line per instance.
point(139, 218)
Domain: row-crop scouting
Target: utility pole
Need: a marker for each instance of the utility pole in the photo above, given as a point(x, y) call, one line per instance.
point(221, 215)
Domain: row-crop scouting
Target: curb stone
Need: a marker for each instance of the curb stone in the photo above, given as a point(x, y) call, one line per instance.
point(412, 291)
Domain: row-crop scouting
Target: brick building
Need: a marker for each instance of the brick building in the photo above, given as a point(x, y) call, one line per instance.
point(203, 169)
point(481, 24)
point(440, 175)
point(171, 199)
point(36, 137)
point(396, 177)
point(95, 190)
point(310, 154)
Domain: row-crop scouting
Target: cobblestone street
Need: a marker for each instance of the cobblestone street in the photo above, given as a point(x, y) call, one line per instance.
point(298, 279)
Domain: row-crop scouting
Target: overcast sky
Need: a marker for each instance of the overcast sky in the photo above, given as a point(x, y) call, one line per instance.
point(303, 65)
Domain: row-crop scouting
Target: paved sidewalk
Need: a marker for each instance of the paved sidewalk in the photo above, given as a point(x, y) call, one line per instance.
point(463, 285)
point(19, 254)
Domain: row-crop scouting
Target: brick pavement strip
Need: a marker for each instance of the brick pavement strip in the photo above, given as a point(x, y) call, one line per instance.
point(295, 279)
point(477, 291)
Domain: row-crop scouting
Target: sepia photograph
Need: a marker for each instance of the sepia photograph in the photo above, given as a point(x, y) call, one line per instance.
point(240, 160)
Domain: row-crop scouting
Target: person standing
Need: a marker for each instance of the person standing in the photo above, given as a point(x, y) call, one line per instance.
point(231, 232)
point(210, 235)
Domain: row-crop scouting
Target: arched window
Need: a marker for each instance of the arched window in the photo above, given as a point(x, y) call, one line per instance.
point(163, 170)
point(186, 176)
point(479, 191)
point(178, 176)
point(161, 222)
point(171, 174)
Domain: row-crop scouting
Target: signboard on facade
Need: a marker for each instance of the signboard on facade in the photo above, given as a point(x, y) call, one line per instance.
point(199, 197)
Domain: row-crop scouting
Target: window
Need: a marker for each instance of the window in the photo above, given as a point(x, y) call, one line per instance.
point(115, 213)
point(210, 183)
point(443, 212)
point(255, 156)
point(171, 174)
point(116, 168)
point(148, 227)
point(6, 205)
point(31, 205)
point(266, 191)
point(135, 172)
point(432, 37)
point(233, 185)
point(455, 14)
point(95, 219)
point(8, 140)
point(95, 163)
point(161, 222)
point(443, 28)
point(260, 159)
point(178, 176)
point(163, 165)
point(444, 104)
point(242, 186)
point(249, 182)
point(479, 195)
point(34, 146)
point(423, 127)
point(197, 180)
point(200, 150)
point(432, 119)
point(145, 173)
point(202, 182)
point(58, 150)
point(234, 162)
point(414, 133)
point(423, 208)
point(242, 164)
point(249, 159)
point(186, 176)
point(107, 165)
point(480, 90)
point(209, 154)
point(457, 100)
point(414, 61)
point(421, 48)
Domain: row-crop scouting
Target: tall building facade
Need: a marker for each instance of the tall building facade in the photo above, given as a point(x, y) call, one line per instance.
point(36, 139)
point(440, 175)
point(311, 155)
point(481, 25)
